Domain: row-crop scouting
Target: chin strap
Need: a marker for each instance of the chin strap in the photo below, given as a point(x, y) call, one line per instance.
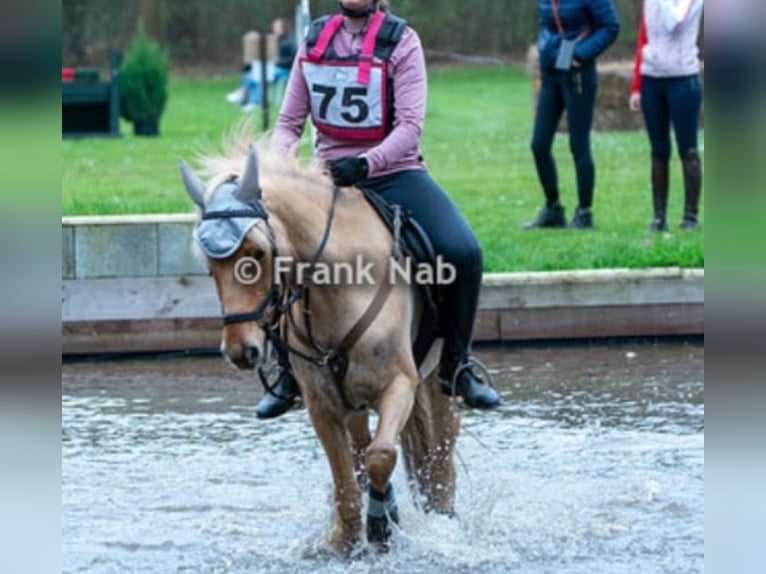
point(361, 13)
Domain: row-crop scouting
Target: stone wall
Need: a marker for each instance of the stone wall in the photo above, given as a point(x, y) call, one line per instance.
point(128, 246)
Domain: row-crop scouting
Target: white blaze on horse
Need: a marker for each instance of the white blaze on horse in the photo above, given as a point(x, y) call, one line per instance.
point(350, 346)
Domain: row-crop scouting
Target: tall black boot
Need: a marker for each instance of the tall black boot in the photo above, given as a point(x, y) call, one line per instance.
point(285, 392)
point(692, 168)
point(660, 184)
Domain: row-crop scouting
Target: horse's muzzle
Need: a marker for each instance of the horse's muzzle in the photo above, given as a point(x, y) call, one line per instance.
point(244, 356)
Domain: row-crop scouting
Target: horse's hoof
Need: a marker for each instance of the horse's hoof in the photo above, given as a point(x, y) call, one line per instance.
point(379, 531)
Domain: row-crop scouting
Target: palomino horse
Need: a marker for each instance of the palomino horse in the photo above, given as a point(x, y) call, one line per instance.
point(350, 345)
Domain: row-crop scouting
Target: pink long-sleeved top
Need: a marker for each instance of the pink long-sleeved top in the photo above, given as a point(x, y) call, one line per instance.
point(400, 150)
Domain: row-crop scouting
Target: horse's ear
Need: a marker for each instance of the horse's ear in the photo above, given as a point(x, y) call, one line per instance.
point(249, 190)
point(194, 186)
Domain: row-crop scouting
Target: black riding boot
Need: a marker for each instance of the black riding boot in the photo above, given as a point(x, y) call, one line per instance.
point(476, 393)
point(692, 168)
point(284, 392)
point(660, 183)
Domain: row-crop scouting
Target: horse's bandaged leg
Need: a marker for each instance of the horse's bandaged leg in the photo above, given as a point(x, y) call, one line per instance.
point(384, 504)
point(381, 511)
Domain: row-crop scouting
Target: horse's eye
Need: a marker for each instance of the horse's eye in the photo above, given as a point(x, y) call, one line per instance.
point(257, 254)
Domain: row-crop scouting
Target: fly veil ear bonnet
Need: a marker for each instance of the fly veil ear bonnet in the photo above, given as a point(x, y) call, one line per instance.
point(230, 213)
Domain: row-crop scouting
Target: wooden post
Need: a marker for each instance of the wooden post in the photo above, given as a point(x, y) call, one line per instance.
point(264, 83)
point(115, 60)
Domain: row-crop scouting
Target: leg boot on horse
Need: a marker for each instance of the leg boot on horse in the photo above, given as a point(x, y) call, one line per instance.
point(382, 511)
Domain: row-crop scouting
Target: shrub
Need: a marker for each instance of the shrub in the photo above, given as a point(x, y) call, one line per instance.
point(143, 79)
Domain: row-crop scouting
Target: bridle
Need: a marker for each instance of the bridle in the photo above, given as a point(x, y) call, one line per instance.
point(282, 296)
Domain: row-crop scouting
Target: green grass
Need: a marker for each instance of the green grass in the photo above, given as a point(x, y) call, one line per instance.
point(476, 144)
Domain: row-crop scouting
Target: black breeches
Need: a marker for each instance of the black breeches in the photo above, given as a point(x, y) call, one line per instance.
point(671, 101)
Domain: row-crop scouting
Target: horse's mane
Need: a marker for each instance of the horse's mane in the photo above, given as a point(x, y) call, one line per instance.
point(277, 170)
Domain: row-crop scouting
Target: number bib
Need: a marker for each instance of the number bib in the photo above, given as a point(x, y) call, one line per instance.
point(343, 108)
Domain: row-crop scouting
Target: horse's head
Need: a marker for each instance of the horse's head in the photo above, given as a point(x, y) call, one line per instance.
point(237, 242)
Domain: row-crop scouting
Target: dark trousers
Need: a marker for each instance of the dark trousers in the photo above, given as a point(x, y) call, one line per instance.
point(454, 240)
point(671, 101)
point(575, 92)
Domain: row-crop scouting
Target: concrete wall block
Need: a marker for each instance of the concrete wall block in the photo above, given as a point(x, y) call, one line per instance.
point(67, 252)
point(137, 298)
point(116, 250)
point(175, 251)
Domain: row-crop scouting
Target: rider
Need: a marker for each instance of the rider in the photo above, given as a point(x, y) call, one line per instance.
point(369, 113)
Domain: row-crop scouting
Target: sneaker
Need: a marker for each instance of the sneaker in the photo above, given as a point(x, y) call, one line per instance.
point(583, 219)
point(250, 107)
point(549, 216)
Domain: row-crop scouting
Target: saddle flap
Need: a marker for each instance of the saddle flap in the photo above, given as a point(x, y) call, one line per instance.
point(416, 245)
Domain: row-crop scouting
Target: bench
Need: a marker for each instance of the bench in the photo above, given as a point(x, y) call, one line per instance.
point(92, 108)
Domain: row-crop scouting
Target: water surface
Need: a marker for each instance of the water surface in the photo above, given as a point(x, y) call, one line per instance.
point(594, 463)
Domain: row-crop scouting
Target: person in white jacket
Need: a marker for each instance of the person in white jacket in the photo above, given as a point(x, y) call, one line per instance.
point(667, 89)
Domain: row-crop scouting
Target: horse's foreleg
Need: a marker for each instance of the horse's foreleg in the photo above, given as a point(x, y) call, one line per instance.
point(359, 429)
point(347, 522)
point(393, 409)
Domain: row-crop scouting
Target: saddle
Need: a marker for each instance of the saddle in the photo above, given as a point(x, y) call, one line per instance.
point(411, 241)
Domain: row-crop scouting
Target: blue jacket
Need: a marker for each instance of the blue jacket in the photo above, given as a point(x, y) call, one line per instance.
point(577, 16)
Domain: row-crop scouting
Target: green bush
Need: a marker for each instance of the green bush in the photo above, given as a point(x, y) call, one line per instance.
point(143, 79)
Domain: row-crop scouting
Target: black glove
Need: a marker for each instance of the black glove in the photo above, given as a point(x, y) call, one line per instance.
point(348, 170)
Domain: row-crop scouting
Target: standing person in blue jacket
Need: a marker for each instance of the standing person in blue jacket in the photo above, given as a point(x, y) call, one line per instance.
point(573, 33)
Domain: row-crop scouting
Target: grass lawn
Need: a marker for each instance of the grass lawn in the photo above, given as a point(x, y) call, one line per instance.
point(476, 143)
